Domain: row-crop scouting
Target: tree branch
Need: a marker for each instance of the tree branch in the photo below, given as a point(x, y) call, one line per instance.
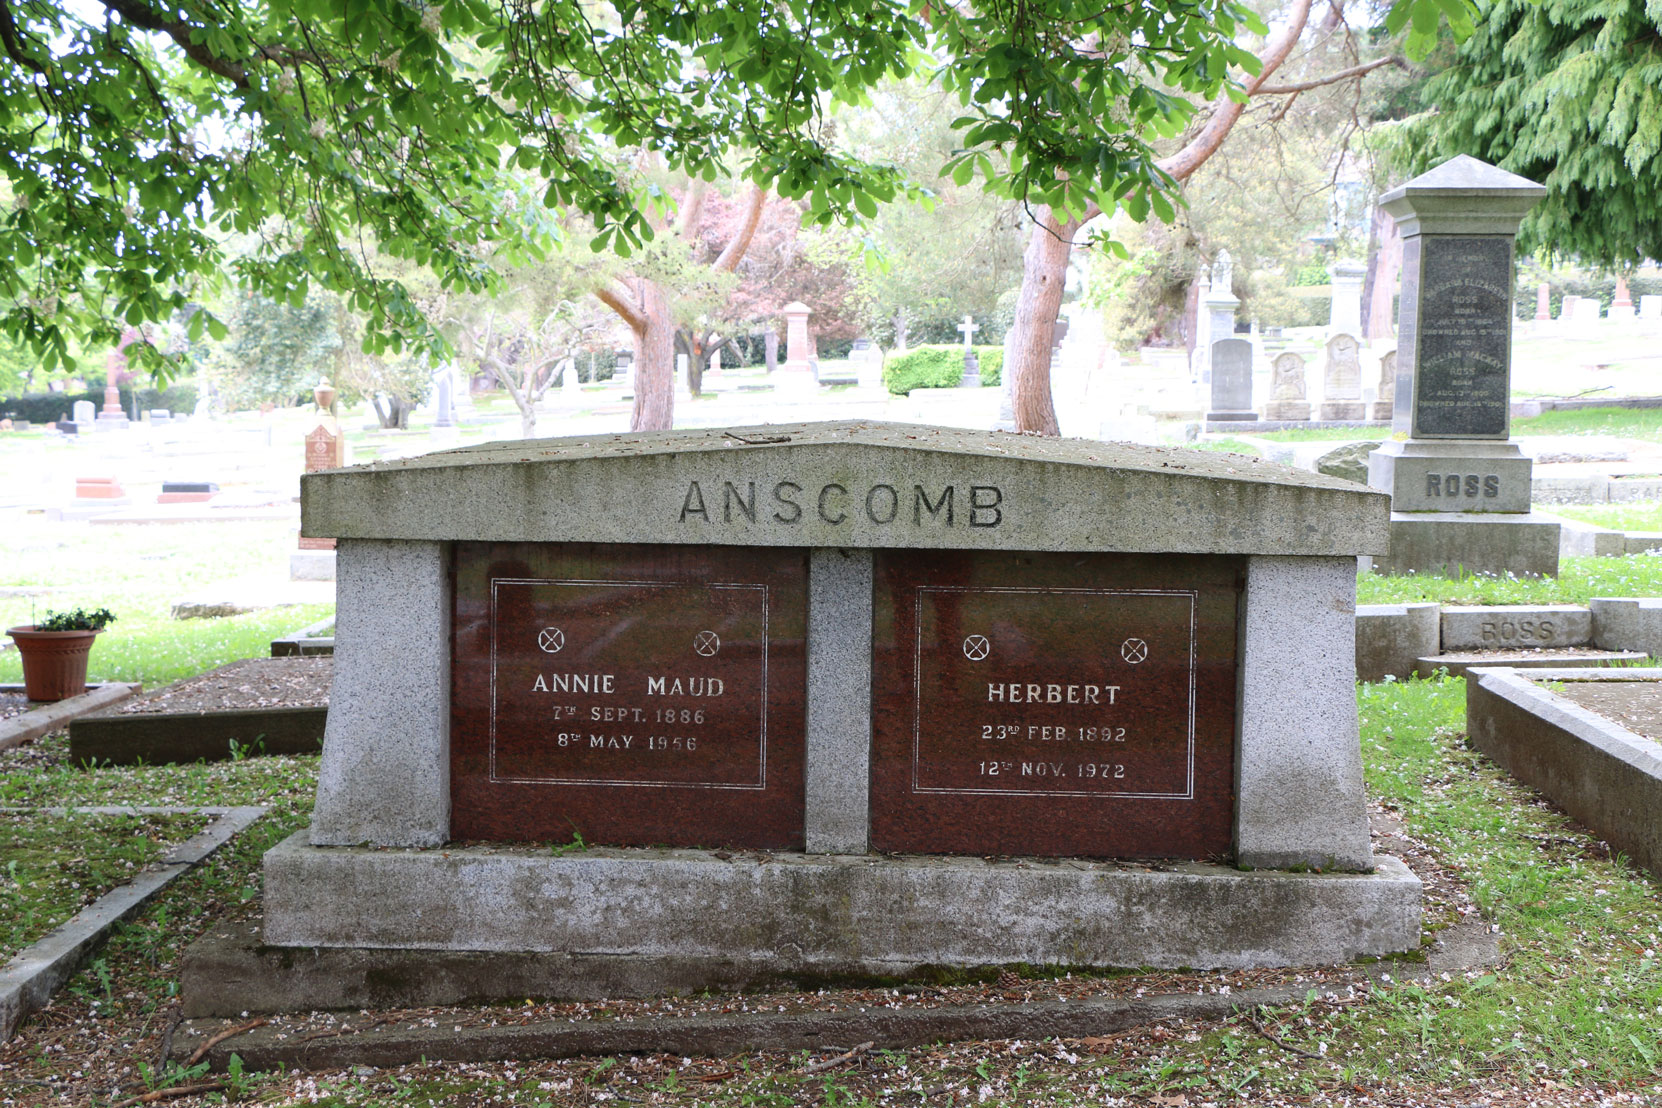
point(12, 39)
point(1332, 78)
point(142, 15)
point(632, 316)
point(733, 252)
point(1182, 164)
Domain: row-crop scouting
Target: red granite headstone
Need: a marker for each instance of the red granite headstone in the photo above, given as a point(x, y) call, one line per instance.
point(325, 449)
point(632, 695)
point(1052, 704)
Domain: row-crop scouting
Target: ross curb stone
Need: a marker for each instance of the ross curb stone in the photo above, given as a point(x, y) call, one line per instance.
point(28, 981)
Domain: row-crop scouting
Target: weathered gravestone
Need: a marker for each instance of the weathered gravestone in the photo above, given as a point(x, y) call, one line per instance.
point(1385, 399)
point(807, 700)
point(1457, 477)
point(1231, 381)
point(1342, 380)
point(1287, 389)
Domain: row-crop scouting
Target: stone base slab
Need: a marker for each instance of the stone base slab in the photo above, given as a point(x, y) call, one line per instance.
point(1291, 410)
point(1344, 410)
point(1231, 416)
point(1448, 543)
point(1452, 476)
point(671, 916)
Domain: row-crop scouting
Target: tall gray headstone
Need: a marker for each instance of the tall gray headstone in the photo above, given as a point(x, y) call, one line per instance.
point(1453, 368)
point(1232, 380)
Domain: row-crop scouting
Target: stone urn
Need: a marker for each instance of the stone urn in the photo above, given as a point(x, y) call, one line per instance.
point(324, 394)
point(54, 662)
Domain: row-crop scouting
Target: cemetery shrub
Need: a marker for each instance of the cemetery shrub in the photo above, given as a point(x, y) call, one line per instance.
point(47, 407)
point(938, 367)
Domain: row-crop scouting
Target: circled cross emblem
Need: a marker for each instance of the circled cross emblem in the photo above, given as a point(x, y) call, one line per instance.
point(551, 639)
point(706, 643)
point(976, 647)
point(1133, 650)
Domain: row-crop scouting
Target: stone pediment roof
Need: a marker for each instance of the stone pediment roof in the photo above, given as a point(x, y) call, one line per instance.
point(850, 484)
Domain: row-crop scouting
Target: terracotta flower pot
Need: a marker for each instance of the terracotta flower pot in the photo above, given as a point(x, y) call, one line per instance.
point(54, 662)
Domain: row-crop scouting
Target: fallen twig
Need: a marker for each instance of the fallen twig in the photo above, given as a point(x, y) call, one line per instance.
point(846, 1056)
point(169, 1094)
point(1282, 1043)
point(202, 1051)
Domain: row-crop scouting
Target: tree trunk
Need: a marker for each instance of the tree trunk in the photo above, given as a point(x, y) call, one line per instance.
point(770, 349)
point(1380, 285)
point(900, 330)
point(654, 362)
point(1044, 271)
point(527, 421)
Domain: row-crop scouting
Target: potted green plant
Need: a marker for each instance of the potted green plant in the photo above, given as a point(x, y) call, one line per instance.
point(55, 651)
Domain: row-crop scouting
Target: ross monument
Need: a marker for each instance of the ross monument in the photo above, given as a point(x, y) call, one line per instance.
point(1460, 489)
point(785, 700)
point(1287, 389)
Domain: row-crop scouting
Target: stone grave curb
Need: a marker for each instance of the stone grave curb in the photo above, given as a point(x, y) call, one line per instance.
point(164, 737)
point(1398, 640)
point(305, 641)
point(1462, 665)
point(40, 721)
point(1464, 946)
point(28, 981)
point(1602, 774)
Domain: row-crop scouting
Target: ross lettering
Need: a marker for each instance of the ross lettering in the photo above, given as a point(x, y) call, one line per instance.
point(1468, 485)
point(920, 504)
point(1471, 484)
point(1433, 484)
point(825, 494)
point(786, 501)
point(693, 504)
point(730, 496)
point(894, 504)
point(980, 503)
point(1491, 486)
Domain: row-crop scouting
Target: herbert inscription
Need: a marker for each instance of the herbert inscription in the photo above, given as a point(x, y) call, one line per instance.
point(1054, 704)
point(1465, 328)
point(628, 694)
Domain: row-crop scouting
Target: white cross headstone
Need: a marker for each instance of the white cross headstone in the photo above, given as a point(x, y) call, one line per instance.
point(969, 327)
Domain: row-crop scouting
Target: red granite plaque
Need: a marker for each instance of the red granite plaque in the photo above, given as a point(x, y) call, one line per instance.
point(1049, 704)
point(630, 695)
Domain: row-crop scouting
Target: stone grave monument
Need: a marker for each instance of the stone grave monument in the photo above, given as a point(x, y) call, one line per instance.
point(1344, 314)
point(325, 449)
point(1231, 381)
point(1287, 389)
point(795, 374)
point(1384, 404)
point(1218, 306)
point(111, 417)
point(1460, 489)
point(1342, 380)
point(791, 700)
point(972, 364)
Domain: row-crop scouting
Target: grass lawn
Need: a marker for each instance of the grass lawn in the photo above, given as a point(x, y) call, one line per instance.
point(1639, 515)
point(1578, 581)
point(55, 865)
point(1630, 423)
point(139, 572)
